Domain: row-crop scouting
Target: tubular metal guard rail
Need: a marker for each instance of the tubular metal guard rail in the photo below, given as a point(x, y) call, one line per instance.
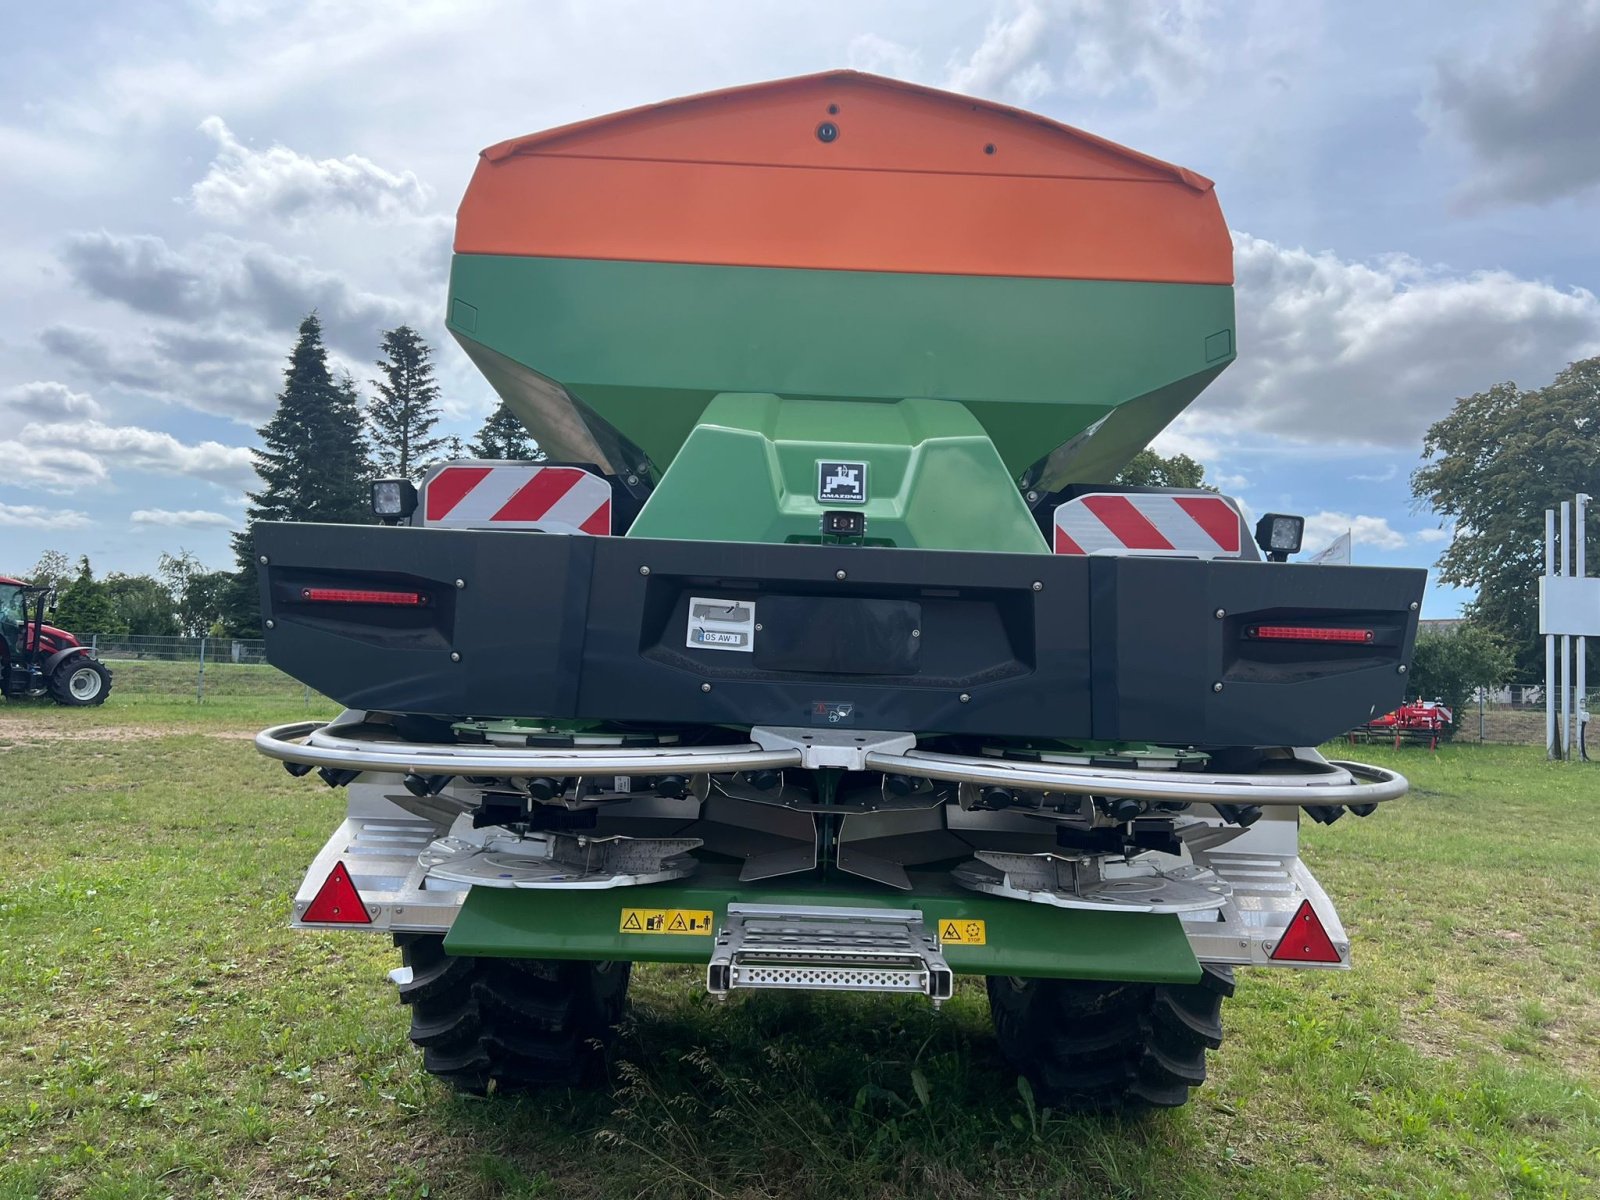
point(1342, 783)
point(324, 747)
point(315, 744)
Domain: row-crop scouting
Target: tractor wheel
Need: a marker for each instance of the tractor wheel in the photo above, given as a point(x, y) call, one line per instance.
point(1089, 1045)
point(509, 1023)
point(81, 682)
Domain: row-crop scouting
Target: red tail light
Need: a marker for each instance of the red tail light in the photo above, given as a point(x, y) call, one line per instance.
point(1305, 940)
point(360, 596)
point(1308, 633)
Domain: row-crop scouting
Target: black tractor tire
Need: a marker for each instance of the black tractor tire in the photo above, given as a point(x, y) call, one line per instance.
point(80, 682)
point(510, 1024)
point(1085, 1044)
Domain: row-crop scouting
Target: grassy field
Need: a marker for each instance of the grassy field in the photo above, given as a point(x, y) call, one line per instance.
point(165, 684)
point(163, 1034)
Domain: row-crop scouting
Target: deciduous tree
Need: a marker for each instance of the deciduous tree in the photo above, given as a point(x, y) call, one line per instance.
point(1149, 469)
point(201, 597)
point(1449, 664)
point(54, 569)
point(84, 607)
point(141, 605)
point(1493, 465)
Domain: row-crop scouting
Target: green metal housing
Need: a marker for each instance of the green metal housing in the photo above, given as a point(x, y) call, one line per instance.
point(748, 473)
point(637, 351)
point(1021, 939)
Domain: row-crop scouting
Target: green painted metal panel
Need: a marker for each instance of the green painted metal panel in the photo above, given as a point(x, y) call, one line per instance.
point(647, 345)
point(748, 473)
point(1022, 939)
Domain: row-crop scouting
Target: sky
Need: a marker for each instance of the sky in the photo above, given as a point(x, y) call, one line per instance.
point(1414, 205)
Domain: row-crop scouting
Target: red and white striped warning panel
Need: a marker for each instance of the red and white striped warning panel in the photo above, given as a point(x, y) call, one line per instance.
point(1144, 523)
point(502, 495)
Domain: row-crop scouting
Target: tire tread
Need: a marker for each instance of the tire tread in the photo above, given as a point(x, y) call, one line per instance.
point(487, 1024)
point(1086, 1044)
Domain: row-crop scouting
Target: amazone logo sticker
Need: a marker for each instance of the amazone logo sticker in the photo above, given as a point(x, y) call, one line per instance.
point(841, 482)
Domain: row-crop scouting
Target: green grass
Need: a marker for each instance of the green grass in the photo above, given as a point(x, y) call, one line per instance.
point(157, 695)
point(159, 682)
point(163, 1034)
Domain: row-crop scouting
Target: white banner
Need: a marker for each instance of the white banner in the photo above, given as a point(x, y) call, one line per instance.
point(1336, 554)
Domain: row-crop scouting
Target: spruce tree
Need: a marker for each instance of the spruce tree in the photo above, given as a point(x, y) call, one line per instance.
point(312, 463)
point(347, 498)
point(503, 436)
point(405, 409)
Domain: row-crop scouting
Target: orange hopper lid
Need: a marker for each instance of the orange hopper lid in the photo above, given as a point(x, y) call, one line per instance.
point(846, 171)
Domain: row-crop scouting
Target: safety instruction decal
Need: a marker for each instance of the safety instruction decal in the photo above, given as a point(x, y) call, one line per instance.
point(963, 933)
point(695, 921)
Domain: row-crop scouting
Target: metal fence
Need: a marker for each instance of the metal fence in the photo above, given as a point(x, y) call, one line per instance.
point(1515, 714)
point(206, 668)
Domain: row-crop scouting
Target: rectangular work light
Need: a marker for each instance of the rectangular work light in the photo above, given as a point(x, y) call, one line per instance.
point(393, 499)
point(1279, 534)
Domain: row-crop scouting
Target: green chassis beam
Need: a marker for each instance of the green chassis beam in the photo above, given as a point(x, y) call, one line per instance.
point(1023, 939)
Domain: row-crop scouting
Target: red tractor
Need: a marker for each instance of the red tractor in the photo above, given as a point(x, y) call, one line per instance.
point(38, 659)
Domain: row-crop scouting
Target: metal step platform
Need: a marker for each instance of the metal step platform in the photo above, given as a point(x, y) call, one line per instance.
point(828, 950)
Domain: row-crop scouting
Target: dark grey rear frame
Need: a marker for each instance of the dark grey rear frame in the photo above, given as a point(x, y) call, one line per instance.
point(1004, 645)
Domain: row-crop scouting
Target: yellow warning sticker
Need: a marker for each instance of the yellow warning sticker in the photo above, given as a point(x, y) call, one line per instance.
point(695, 921)
point(963, 933)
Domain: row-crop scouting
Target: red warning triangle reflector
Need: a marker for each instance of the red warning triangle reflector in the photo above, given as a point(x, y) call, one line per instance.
point(1305, 940)
point(337, 902)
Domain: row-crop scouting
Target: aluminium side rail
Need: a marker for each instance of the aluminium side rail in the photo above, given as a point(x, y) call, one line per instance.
point(315, 744)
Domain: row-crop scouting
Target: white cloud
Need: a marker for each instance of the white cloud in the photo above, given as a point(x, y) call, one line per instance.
point(226, 372)
point(1433, 535)
point(1009, 58)
point(56, 468)
point(869, 52)
point(252, 55)
point(1189, 435)
point(1392, 471)
point(1086, 47)
point(31, 154)
point(190, 518)
point(1323, 527)
point(1338, 351)
point(48, 401)
point(247, 185)
point(31, 516)
point(1529, 115)
point(133, 448)
point(1033, 48)
point(217, 276)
